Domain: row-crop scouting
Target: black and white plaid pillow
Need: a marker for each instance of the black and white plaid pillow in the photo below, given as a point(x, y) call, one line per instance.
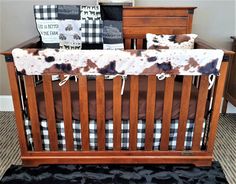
point(45, 12)
point(91, 31)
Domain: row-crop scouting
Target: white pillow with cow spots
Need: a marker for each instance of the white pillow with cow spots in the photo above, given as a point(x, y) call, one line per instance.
point(182, 41)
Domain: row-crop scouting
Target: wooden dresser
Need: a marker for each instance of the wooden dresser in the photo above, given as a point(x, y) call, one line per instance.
point(230, 90)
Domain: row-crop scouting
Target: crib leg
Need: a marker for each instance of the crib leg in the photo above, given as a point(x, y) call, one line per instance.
point(205, 163)
point(29, 164)
point(224, 107)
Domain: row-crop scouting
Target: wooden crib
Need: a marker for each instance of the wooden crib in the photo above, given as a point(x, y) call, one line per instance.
point(137, 21)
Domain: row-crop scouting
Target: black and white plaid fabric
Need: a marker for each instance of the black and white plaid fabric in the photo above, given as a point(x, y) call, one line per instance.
point(188, 134)
point(91, 31)
point(109, 134)
point(45, 12)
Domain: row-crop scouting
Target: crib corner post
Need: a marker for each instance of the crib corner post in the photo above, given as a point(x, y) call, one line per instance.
point(14, 86)
point(217, 98)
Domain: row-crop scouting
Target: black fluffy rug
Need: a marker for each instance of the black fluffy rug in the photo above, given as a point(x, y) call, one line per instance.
point(127, 174)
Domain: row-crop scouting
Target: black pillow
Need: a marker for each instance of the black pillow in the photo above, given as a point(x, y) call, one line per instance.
point(113, 12)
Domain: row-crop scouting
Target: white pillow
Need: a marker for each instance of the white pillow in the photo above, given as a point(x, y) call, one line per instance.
point(182, 41)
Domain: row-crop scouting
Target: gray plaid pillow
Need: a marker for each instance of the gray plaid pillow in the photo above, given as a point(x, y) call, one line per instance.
point(112, 35)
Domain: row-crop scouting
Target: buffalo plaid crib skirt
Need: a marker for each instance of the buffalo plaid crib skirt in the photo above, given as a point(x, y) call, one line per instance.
point(109, 135)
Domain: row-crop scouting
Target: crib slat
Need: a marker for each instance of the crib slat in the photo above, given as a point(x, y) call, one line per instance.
point(117, 113)
point(67, 114)
point(139, 43)
point(183, 117)
point(219, 89)
point(84, 118)
point(134, 91)
point(197, 81)
point(50, 111)
point(127, 43)
point(17, 107)
point(23, 92)
point(150, 112)
point(167, 111)
point(200, 112)
point(100, 101)
point(33, 112)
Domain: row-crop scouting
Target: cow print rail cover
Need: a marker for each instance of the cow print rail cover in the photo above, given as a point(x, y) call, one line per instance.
point(117, 62)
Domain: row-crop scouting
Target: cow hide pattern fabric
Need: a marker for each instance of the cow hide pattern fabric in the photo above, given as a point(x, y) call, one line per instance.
point(117, 62)
point(182, 41)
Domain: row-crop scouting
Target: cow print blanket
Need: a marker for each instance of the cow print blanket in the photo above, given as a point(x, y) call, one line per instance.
point(117, 62)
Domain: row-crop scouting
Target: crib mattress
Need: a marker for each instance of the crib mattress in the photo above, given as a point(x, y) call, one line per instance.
point(109, 135)
point(109, 100)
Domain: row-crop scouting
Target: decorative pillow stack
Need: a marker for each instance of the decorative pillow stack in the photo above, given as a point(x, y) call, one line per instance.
point(182, 41)
point(69, 26)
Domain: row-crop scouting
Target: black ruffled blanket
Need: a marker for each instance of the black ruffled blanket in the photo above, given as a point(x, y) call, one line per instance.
point(65, 174)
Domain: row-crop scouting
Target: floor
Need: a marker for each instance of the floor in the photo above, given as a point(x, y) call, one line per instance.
point(225, 146)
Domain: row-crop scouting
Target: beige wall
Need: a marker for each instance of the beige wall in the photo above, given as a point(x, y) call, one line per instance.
point(214, 20)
